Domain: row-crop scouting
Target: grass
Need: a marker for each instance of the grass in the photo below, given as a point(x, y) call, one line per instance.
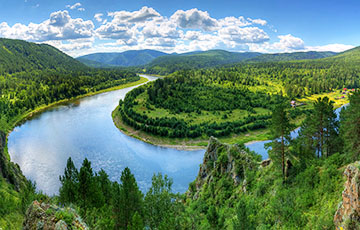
point(334, 96)
point(10, 215)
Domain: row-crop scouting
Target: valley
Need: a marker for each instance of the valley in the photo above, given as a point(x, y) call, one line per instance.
point(57, 113)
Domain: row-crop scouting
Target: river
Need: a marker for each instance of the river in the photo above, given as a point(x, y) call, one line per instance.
point(84, 128)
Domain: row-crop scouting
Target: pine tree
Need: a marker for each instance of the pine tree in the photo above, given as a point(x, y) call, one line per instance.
point(280, 131)
point(319, 131)
point(69, 183)
point(350, 127)
point(86, 185)
point(127, 200)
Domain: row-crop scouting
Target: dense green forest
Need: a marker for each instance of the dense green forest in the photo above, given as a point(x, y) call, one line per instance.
point(291, 56)
point(21, 56)
point(127, 58)
point(34, 76)
point(187, 97)
point(231, 100)
point(299, 188)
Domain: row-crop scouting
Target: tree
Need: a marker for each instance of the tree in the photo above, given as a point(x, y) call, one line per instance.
point(128, 200)
point(319, 131)
point(86, 185)
point(136, 222)
point(69, 183)
point(158, 202)
point(280, 131)
point(350, 127)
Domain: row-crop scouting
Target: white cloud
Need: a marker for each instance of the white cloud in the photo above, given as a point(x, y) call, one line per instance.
point(60, 26)
point(98, 17)
point(243, 35)
point(194, 19)
point(73, 7)
point(59, 18)
point(289, 43)
point(331, 47)
point(126, 17)
point(257, 21)
point(146, 28)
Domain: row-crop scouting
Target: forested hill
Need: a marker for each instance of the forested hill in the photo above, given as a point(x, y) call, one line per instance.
point(194, 60)
point(19, 56)
point(291, 56)
point(127, 58)
point(352, 55)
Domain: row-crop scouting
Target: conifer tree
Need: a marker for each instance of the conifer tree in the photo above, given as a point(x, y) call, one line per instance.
point(280, 131)
point(350, 127)
point(69, 183)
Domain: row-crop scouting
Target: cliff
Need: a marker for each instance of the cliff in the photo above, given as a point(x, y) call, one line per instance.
point(347, 217)
point(222, 161)
point(8, 170)
point(45, 216)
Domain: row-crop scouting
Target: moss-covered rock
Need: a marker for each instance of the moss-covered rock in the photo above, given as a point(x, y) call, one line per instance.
point(46, 216)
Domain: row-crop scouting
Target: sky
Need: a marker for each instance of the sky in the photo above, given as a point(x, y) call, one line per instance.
point(79, 27)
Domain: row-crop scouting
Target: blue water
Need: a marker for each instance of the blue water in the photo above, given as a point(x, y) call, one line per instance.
point(84, 128)
point(259, 147)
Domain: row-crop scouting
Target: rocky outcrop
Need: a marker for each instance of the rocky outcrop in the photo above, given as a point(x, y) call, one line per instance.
point(222, 160)
point(347, 217)
point(8, 170)
point(45, 217)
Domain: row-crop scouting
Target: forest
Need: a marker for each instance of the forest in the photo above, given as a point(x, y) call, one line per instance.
point(300, 188)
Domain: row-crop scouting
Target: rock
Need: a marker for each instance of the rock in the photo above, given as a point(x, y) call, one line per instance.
point(347, 217)
point(223, 160)
point(265, 163)
point(61, 225)
point(43, 216)
point(8, 170)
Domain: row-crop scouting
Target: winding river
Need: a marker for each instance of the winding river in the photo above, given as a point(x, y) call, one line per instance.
point(84, 128)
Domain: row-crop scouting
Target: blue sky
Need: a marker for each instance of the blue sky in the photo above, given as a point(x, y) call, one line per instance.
point(85, 26)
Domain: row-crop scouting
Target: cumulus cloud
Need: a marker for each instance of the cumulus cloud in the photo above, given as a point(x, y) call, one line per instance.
point(60, 26)
point(73, 7)
point(289, 42)
point(126, 17)
point(194, 19)
point(98, 17)
point(243, 35)
point(146, 28)
point(331, 47)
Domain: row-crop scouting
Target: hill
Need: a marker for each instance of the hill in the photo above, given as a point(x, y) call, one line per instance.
point(19, 56)
point(194, 60)
point(127, 58)
point(291, 56)
point(352, 55)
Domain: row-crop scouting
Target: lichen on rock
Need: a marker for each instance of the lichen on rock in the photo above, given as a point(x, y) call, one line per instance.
point(46, 216)
point(347, 217)
point(222, 161)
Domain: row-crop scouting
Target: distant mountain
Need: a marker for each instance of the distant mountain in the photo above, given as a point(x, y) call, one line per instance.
point(127, 58)
point(92, 63)
point(198, 59)
point(18, 56)
point(291, 56)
